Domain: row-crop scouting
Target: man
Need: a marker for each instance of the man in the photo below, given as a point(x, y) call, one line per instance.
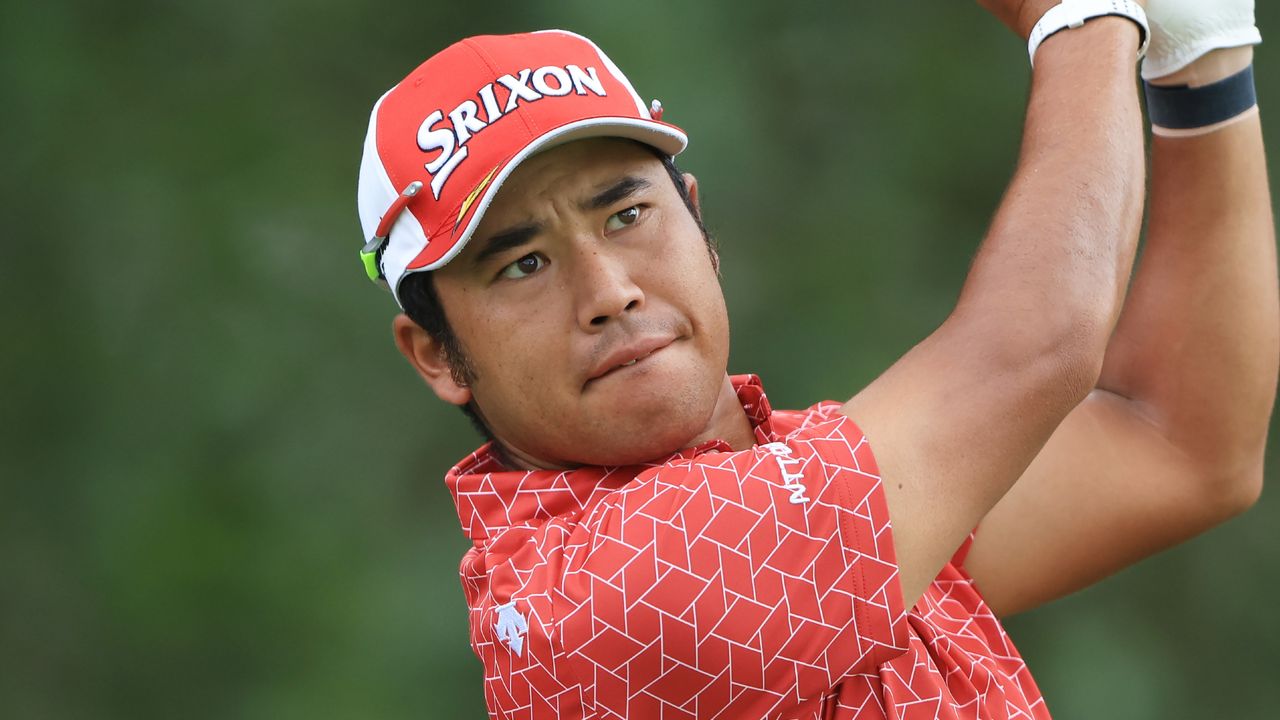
point(651, 539)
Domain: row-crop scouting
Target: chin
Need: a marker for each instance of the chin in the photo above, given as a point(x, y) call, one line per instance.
point(648, 428)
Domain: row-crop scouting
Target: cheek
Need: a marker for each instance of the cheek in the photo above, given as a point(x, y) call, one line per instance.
point(520, 356)
point(695, 281)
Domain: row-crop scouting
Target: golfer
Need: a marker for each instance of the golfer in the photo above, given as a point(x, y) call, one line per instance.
point(652, 539)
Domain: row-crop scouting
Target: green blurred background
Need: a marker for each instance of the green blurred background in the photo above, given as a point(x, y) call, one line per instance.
point(221, 487)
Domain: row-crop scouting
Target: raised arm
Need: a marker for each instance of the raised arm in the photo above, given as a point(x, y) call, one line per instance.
point(1198, 341)
point(956, 421)
point(1172, 440)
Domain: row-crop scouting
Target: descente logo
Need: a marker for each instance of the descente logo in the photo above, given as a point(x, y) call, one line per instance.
point(464, 121)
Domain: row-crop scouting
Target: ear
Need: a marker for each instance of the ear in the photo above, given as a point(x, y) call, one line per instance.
point(691, 183)
point(428, 358)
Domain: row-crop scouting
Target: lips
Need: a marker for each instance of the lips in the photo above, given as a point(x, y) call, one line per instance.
point(628, 355)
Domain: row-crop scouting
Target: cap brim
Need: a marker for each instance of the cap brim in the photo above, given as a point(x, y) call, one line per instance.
point(667, 138)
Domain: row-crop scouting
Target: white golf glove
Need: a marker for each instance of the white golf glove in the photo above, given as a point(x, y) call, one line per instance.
point(1184, 30)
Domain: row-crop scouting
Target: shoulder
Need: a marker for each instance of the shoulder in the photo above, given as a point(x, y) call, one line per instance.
point(786, 423)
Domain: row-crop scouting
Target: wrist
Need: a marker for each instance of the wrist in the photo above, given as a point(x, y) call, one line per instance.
point(1209, 68)
point(1184, 110)
point(1071, 16)
point(1103, 38)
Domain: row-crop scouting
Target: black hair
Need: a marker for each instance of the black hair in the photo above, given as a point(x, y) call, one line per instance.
point(421, 303)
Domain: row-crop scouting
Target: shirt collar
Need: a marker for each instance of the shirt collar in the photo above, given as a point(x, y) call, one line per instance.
point(491, 498)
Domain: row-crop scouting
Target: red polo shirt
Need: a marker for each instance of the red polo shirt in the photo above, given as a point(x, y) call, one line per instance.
point(721, 584)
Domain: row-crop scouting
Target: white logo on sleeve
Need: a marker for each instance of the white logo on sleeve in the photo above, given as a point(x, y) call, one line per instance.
point(790, 480)
point(512, 627)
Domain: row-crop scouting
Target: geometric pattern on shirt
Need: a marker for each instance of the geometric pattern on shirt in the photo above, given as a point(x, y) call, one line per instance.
point(708, 586)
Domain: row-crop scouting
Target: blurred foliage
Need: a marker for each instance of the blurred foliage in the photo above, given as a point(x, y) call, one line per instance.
point(220, 486)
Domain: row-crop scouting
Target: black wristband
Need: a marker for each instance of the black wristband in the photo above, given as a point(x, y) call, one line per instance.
point(1186, 108)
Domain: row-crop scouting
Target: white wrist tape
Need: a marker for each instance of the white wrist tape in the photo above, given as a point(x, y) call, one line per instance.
point(1184, 30)
point(1074, 13)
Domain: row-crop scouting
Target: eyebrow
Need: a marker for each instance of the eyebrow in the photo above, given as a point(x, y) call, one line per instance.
point(514, 237)
point(506, 240)
point(624, 188)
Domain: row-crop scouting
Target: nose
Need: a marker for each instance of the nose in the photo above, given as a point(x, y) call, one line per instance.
point(606, 288)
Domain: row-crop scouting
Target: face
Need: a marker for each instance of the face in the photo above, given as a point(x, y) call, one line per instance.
point(589, 307)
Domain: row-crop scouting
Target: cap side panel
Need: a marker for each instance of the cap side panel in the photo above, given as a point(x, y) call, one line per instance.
point(377, 191)
point(374, 191)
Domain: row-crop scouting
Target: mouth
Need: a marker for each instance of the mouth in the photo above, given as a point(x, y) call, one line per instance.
point(628, 356)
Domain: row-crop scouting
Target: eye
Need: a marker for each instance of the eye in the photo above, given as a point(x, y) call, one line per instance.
point(621, 219)
point(524, 267)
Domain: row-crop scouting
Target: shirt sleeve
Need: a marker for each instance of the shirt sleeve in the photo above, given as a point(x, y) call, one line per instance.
point(733, 584)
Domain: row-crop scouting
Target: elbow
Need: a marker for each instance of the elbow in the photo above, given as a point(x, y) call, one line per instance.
point(1052, 347)
point(1221, 487)
point(1247, 492)
point(1061, 361)
point(1077, 335)
point(1231, 494)
point(1227, 471)
point(1078, 352)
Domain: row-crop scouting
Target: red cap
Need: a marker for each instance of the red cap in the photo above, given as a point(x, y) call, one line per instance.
point(441, 143)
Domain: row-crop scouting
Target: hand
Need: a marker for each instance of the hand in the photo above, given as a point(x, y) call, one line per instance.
point(1019, 15)
point(1184, 30)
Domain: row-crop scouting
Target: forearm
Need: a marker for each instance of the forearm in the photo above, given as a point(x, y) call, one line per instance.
point(1198, 342)
point(958, 419)
point(1061, 247)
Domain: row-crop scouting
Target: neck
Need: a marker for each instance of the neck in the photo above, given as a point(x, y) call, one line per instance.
point(729, 422)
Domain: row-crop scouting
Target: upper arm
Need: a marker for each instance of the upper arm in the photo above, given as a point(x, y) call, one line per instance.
point(1107, 490)
point(955, 423)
